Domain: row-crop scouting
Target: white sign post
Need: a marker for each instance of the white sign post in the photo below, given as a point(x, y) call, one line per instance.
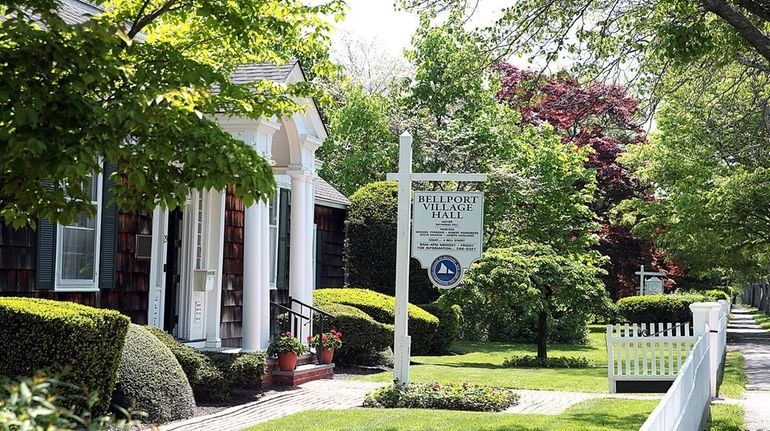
point(656, 287)
point(443, 268)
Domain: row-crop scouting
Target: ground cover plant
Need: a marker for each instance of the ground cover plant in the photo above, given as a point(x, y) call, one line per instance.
point(734, 379)
point(40, 334)
point(481, 363)
point(444, 397)
point(762, 319)
point(531, 361)
point(594, 415)
point(726, 417)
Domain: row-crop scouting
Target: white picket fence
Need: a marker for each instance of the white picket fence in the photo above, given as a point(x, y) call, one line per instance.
point(647, 352)
point(685, 407)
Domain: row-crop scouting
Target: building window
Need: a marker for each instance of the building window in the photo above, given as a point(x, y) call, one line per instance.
point(199, 258)
point(273, 223)
point(77, 245)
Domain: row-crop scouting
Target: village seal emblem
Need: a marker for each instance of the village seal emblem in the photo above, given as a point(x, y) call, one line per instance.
point(446, 272)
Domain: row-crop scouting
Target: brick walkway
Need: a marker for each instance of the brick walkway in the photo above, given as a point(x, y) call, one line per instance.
point(350, 394)
point(753, 342)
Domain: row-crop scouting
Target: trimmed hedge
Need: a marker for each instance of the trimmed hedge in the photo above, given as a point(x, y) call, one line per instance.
point(370, 236)
point(444, 397)
point(449, 319)
point(212, 374)
point(423, 326)
point(151, 380)
point(532, 361)
point(658, 308)
point(363, 337)
point(53, 336)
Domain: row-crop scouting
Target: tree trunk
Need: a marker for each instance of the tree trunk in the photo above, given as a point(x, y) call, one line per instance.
point(542, 335)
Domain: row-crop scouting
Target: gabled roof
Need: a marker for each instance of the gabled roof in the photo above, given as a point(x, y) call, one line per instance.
point(262, 72)
point(325, 192)
point(78, 12)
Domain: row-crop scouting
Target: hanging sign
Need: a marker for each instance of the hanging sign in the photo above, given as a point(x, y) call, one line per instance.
point(447, 233)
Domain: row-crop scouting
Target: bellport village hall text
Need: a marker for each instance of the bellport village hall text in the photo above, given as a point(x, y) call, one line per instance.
point(447, 206)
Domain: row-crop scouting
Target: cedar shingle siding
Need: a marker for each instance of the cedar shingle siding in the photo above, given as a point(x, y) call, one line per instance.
point(330, 225)
point(130, 294)
point(232, 273)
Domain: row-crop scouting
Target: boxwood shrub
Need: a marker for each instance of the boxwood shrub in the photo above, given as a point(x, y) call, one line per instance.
point(446, 397)
point(532, 361)
point(213, 374)
point(449, 319)
point(673, 308)
point(53, 336)
point(151, 379)
point(363, 338)
point(423, 326)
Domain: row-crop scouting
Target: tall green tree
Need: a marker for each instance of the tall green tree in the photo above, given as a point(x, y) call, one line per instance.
point(709, 168)
point(139, 87)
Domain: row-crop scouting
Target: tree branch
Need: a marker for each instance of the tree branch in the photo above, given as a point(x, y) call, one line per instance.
point(741, 24)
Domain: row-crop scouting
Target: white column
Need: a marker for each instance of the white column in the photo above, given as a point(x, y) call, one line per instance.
point(705, 316)
point(215, 261)
point(298, 235)
point(252, 269)
point(402, 341)
point(264, 310)
point(310, 249)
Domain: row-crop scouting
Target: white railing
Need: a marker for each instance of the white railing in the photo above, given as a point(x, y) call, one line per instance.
point(647, 352)
point(685, 407)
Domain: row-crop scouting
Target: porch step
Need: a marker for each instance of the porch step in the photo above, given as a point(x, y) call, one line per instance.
point(302, 374)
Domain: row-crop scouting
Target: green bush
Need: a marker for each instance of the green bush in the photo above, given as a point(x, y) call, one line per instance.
point(449, 318)
point(531, 361)
point(40, 334)
point(365, 337)
point(370, 244)
point(151, 379)
point(213, 374)
point(382, 308)
point(716, 295)
point(36, 404)
point(445, 397)
point(673, 308)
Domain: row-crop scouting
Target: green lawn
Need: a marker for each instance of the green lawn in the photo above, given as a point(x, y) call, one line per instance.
point(594, 415)
point(760, 317)
point(481, 363)
point(726, 417)
point(734, 380)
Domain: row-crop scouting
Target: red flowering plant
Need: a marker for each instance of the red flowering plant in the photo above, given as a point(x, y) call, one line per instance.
point(327, 340)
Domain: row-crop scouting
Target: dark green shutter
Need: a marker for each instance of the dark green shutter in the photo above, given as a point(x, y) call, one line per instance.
point(282, 274)
point(319, 257)
point(45, 265)
point(109, 227)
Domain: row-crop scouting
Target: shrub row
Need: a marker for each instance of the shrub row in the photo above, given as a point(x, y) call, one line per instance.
point(449, 321)
point(423, 326)
point(673, 308)
point(55, 336)
point(213, 374)
point(531, 361)
point(151, 379)
point(364, 336)
point(446, 397)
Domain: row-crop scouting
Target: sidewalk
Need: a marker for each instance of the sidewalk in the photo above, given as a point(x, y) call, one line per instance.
point(745, 336)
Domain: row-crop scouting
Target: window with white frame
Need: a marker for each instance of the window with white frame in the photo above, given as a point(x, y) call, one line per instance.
point(200, 259)
point(78, 243)
point(273, 223)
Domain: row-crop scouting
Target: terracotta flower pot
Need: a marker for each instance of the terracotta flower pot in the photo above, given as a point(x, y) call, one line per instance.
point(287, 361)
point(325, 355)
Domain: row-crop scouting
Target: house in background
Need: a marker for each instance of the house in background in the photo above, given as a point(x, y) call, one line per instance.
point(213, 273)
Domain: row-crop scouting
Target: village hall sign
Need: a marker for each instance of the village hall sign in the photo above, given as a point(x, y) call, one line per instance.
point(446, 233)
point(445, 237)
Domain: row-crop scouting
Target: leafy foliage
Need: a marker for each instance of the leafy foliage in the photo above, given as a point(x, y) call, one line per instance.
point(530, 361)
point(82, 342)
point(449, 322)
point(285, 343)
point(446, 397)
point(151, 379)
point(36, 404)
point(513, 292)
point(140, 86)
point(365, 337)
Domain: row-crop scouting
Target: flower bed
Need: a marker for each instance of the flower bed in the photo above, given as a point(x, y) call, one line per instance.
point(446, 397)
point(530, 361)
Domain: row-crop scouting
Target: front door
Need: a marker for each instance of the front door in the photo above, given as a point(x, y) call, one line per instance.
point(172, 269)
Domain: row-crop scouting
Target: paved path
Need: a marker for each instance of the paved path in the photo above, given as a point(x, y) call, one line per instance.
point(346, 394)
point(744, 335)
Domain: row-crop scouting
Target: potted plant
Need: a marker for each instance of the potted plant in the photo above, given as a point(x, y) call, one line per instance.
point(325, 343)
point(286, 347)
